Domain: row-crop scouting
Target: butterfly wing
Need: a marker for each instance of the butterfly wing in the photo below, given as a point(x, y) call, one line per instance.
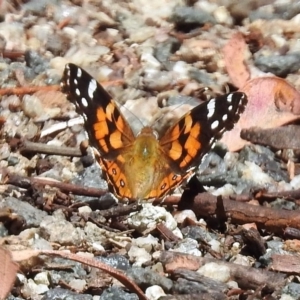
point(186, 142)
point(108, 131)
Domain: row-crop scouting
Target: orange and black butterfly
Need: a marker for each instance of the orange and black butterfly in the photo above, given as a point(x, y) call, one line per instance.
point(145, 166)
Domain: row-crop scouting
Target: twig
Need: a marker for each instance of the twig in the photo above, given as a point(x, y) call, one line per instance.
point(289, 195)
point(28, 90)
point(167, 233)
point(26, 182)
point(22, 255)
point(118, 274)
point(12, 54)
point(61, 126)
point(274, 220)
point(31, 147)
point(246, 277)
point(118, 211)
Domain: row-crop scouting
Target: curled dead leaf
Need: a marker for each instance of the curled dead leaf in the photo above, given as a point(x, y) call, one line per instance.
point(272, 102)
point(235, 51)
point(8, 272)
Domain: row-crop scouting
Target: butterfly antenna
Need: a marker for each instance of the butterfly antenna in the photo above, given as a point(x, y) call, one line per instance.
point(131, 113)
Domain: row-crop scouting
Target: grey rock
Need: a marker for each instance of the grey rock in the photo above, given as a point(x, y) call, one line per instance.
point(264, 158)
point(145, 278)
point(57, 44)
point(163, 50)
point(32, 216)
point(190, 282)
point(283, 204)
point(3, 230)
point(38, 7)
point(62, 294)
point(287, 12)
point(56, 229)
point(201, 76)
point(263, 15)
point(12, 160)
point(280, 65)
point(292, 289)
point(115, 260)
point(185, 16)
point(197, 233)
point(36, 62)
point(116, 293)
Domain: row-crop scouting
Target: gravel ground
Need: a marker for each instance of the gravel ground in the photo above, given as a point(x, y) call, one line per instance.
point(151, 56)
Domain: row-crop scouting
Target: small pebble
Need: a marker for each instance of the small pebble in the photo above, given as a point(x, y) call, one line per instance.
point(215, 271)
point(154, 292)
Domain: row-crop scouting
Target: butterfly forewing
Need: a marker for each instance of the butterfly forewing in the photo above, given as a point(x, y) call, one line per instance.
point(192, 136)
point(106, 127)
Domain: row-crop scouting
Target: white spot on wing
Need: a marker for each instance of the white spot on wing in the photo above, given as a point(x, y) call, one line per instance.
point(229, 98)
point(77, 92)
point(214, 124)
point(84, 102)
point(75, 81)
point(79, 72)
point(225, 117)
point(92, 88)
point(230, 108)
point(211, 108)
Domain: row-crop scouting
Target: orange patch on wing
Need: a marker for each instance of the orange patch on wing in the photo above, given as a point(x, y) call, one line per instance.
point(127, 194)
point(192, 146)
point(114, 171)
point(187, 159)
point(188, 121)
point(101, 116)
point(109, 111)
point(103, 145)
point(101, 129)
point(115, 139)
point(175, 133)
point(152, 194)
point(174, 179)
point(120, 123)
point(195, 130)
point(175, 151)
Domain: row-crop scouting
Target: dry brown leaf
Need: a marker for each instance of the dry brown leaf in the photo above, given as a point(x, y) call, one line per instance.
point(8, 272)
point(272, 102)
point(234, 54)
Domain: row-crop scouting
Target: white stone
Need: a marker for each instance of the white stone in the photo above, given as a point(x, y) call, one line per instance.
point(154, 292)
point(84, 209)
point(42, 278)
point(138, 256)
point(215, 271)
point(149, 243)
point(188, 246)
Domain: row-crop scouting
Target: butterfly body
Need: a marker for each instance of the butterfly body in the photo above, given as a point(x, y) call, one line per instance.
point(145, 166)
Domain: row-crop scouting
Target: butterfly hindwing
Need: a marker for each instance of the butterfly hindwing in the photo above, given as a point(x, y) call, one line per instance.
point(186, 142)
point(107, 129)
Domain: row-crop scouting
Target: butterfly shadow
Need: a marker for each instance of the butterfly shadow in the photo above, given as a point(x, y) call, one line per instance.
point(194, 188)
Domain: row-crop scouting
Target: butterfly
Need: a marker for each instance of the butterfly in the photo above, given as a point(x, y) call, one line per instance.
point(145, 166)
